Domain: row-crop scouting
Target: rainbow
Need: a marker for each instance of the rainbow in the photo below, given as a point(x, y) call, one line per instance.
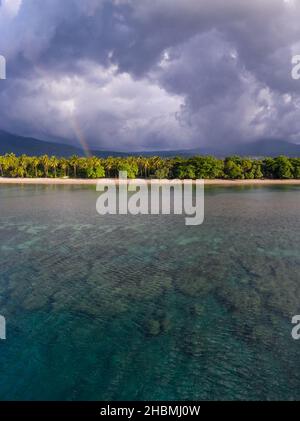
point(80, 136)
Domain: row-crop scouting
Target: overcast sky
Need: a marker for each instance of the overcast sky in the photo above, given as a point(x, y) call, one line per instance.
point(150, 74)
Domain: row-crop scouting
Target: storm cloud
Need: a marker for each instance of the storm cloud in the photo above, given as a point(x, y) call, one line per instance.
point(150, 74)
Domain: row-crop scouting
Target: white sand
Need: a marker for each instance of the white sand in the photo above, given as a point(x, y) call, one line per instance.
point(78, 181)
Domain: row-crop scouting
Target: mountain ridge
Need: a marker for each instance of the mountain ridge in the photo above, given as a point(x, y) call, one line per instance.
point(11, 143)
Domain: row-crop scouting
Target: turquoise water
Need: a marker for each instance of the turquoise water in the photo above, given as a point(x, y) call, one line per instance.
point(143, 307)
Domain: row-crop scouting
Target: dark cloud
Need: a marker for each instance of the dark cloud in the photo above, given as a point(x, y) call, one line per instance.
point(143, 74)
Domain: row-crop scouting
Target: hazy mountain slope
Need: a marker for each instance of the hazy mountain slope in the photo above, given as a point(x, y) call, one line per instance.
point(30, 146)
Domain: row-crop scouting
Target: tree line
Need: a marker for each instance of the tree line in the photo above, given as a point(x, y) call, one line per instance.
point(197, 167)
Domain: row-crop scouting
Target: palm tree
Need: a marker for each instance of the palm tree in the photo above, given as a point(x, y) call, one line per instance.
point(10, 164)
point(53, 163)
point(139, 162)
point(35, 163)
point(23, 165)
point(64, 165)
point(146, 166)
point(45, 162)
point(83, 164)
point(74, 163)
point(109, 165)
point(2, 163)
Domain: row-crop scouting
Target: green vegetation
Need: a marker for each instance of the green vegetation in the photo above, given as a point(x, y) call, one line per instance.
point(196, 167)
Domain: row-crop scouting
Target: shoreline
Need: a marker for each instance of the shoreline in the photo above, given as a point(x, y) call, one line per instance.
point(116, 181)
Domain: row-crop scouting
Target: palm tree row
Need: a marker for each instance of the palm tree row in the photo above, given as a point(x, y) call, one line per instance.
point(77, 167)
point(149, 167)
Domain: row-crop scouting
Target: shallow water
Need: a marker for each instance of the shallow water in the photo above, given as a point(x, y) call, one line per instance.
point(143, 307)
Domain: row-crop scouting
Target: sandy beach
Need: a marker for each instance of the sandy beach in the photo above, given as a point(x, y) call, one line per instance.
point(78, 181)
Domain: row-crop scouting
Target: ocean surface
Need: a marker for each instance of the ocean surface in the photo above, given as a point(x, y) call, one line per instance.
point(144, 307)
